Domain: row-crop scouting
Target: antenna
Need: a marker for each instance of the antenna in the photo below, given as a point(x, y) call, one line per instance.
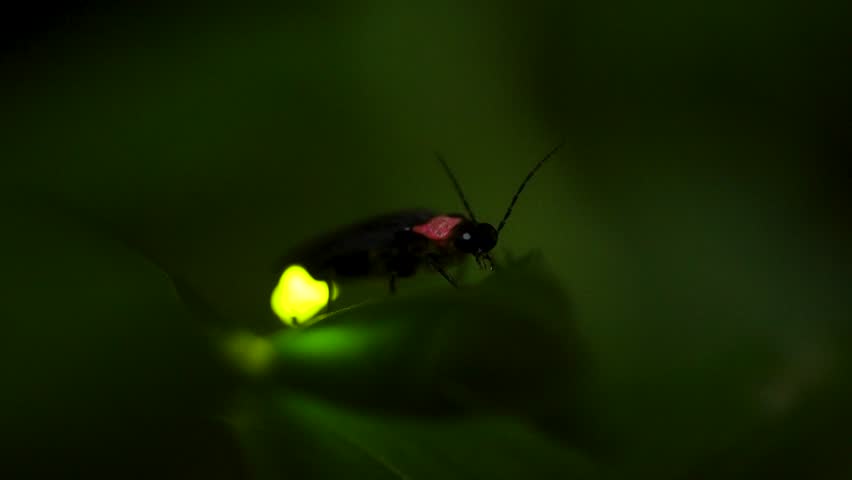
point(456, 184)
point(524, 184)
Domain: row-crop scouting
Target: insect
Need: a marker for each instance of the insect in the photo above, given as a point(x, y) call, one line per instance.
point(392, 246)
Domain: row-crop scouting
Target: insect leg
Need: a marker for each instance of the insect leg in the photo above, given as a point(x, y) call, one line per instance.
point(488, 260)
point(437, 266)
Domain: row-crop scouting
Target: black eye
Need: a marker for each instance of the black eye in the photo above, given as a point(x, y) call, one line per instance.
point(479, 239)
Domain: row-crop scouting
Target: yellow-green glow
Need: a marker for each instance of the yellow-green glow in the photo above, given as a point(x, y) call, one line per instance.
point(251, 353)
point(328, 342)
point(298, 296)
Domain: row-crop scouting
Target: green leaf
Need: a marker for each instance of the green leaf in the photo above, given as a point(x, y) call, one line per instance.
point(508, 345)
point(449, 384)
point(303, 437)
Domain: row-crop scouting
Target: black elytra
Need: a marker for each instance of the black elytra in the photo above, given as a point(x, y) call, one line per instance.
point(400, 244)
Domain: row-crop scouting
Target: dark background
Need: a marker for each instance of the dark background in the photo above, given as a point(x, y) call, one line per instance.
point(697, 223)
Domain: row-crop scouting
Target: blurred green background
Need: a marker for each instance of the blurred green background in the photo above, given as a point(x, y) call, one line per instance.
point(685, 315)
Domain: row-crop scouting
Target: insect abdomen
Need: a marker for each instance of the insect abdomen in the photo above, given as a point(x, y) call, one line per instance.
point(401, 258)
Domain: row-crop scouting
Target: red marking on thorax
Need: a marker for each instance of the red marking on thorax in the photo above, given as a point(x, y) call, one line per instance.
point(438, 228)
